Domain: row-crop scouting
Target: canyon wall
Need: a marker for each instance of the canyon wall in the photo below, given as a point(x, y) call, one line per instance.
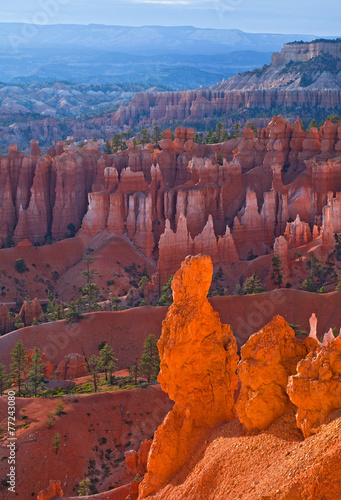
point(196, 105)
point(300, 52)
point(181, 198)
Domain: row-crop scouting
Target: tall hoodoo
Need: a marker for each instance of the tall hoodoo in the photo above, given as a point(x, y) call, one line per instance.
point(198, 371)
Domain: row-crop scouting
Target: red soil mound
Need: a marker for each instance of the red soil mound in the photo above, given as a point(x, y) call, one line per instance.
point(95, 433)
point(59, 266)
point(125, 331)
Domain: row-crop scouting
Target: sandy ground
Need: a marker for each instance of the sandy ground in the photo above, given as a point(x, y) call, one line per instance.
point(276, 464)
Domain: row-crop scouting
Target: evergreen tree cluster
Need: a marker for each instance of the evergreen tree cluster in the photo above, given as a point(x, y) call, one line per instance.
point(27, 371)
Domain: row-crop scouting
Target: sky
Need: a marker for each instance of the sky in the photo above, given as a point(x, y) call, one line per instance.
point(311, 17)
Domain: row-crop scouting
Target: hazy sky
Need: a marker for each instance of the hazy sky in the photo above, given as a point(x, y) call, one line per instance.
point(269, 16)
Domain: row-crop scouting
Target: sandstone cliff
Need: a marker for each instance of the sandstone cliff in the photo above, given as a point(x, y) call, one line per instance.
point(177, 199)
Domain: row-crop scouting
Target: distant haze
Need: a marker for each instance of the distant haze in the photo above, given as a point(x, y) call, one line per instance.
point(171, 57)
point(257, 16)
point(139, 40)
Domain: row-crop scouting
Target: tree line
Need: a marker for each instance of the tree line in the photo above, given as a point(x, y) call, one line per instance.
point(27, 368)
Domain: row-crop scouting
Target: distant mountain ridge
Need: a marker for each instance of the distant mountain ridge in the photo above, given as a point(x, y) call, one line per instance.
point(140, 40)
point(45, 111)
point(175, 58)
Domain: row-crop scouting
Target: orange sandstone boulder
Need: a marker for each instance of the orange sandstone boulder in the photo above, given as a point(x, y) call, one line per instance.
point(267, 360)
point(72, 366)
point(30, 310)
point(316, 388)
point(136, 461)
point(198, 371)
point(53, 491)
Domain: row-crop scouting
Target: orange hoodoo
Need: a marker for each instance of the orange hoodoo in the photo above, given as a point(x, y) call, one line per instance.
point(198, 371)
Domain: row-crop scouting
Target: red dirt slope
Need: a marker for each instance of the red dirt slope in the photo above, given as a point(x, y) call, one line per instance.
point(59, 266)
point(92, 428)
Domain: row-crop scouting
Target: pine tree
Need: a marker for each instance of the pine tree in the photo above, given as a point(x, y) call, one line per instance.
point(3, 379)
point(107, 147)
point(157, 134)
point(150, 361)
point(236, 130)
point(116, 143)
point(253, 285)
point(142, 284)
point(84, 487)
point(73, 311)
point(91, 296)
point(36, 372)
point(19, 364)
point(108, 360)
point(56, 442)
point(60, 408)
point(166, 297)
point(89, 273)
point(219, 131)
point(277, 270)
point(312, 124)
point(145, 136)
point(95, 366)
point(134, 370)
point(220, 159)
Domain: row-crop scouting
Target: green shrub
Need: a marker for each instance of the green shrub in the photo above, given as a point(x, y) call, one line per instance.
point(51, 420)
point(20, 265)
point(56, 442)
point(60, 409)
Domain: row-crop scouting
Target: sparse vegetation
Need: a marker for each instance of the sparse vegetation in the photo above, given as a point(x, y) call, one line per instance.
point(108, 361)
point(95, 366)
point(3, 379)
point(36, 372)
point(150, 360)
point(166, 293)
point(277, 270)
point(317, 276)
point(56, 442)
point(253, 285)
point(20, 266)
point(19, 363)
point(84, 487)
point(50, 420)
point(60, 408)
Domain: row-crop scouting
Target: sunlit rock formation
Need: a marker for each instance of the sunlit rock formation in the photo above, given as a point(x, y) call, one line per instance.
point(267, 360)
point(316, 388)
point(198, 363)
